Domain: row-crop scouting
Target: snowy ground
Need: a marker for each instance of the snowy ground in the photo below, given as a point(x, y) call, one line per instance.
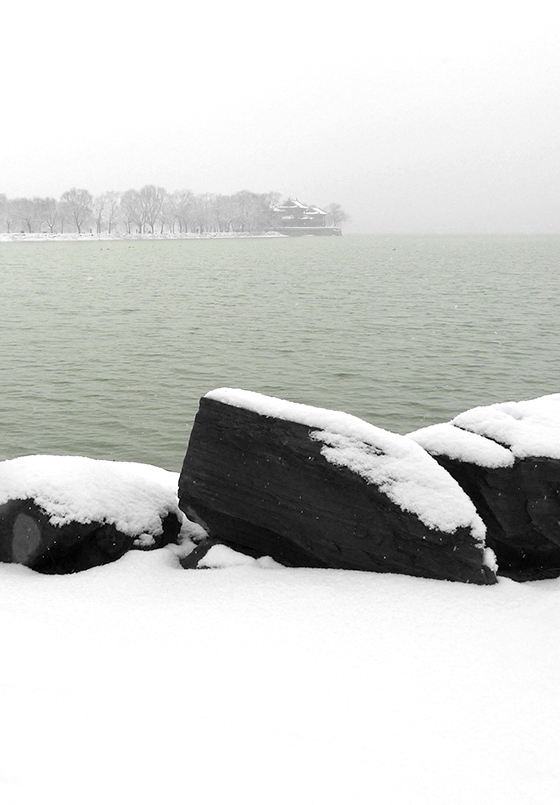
point(43, 237)
point(142, 682)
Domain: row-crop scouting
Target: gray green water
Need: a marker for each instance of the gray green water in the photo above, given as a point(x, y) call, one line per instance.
point(106, 347)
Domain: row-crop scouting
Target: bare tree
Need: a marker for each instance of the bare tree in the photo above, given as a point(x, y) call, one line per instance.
point(203, 212)
point(224, 211)
point(9, 215)
point(49, 213)
point(151, 204)
point(80, 204)
point(169, 213)
point(131, 211)
point(184, 202)
point(264, 216)
point(272, 200)
point(27, 212)
point(112, 203)
point(335, 215)
point(64, 214)
point(242, 207)
point(98, 208)
point(252, 211)
point(3, 205)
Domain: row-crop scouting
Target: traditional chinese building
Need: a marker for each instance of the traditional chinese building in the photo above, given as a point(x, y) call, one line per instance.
point(294, 218)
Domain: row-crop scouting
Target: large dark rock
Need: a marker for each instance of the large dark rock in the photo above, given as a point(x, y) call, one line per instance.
point(487, 450)
point(28, 537)
point(263, 485)
point(521, 509)
point(61, 514)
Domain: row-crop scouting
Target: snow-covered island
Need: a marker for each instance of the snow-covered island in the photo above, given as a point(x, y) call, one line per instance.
point(153, 212)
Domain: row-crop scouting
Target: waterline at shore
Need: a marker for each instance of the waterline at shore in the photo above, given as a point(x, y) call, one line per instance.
point(42, 237)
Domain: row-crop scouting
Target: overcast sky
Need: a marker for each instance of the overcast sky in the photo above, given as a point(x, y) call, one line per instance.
point(415, 116)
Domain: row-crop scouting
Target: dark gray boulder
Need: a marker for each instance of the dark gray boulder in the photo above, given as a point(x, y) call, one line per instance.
point(28, 537)
point(316, 488)
point(62, 514)
point(507, 459)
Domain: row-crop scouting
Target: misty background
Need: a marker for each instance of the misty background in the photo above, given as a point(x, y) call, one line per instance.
point(415, 117)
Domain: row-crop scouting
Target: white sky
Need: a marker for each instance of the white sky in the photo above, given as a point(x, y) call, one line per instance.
point(416, 117)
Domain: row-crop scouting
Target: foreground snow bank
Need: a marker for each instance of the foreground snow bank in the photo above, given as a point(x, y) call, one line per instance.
point(139, 682)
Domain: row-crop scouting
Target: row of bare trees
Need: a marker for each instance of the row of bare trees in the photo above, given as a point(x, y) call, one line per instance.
point(149, 210)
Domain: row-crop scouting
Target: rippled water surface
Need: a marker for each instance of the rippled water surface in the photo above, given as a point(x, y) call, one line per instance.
point(107, 346)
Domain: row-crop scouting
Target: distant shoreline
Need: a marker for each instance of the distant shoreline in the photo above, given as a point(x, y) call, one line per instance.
point(47, 237)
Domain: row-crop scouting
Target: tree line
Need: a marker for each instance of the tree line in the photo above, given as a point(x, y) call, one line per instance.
point(151, 210)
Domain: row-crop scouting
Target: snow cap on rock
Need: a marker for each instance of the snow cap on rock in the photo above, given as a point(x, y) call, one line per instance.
point(446, 439)
point(133, 497)
point(530, 428)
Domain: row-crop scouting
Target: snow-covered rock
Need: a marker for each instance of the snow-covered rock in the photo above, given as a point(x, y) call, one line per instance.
point(67, 513)
point(507, 458)
point(210, 554)
point(319, 488)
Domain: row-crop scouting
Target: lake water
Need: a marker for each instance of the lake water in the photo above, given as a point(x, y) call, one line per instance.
point(107, 346)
